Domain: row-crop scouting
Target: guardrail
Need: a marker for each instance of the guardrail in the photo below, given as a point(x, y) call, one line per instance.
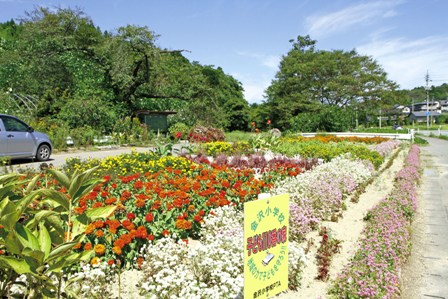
point(408, 136)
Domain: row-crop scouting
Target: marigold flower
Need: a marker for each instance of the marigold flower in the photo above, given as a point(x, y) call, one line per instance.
point(95, 260)
point(119, 243)
point(117, 250)
point(97, 204)
point(140, 261)
point(99, 234)
point(99, 249)
point(90, 228)
point(1, 251)
point(139, 203)
point(165, 233)
point(88, 246)
point(184, 224)
point(77, 246)
point(110, 262)
point(150, 237)
point(149, 217)
point(130, 216)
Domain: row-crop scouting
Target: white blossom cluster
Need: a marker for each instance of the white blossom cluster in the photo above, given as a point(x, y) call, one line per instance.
point(212, 269)
point(319, 193)
point(94, 281)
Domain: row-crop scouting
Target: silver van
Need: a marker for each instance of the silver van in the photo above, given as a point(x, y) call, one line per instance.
point(18, 140)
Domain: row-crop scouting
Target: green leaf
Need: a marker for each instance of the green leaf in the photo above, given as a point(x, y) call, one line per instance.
point(67, 260)
point(62, 249)
point(36, 255)
point(19, 266)
point(56, 196)
point(26, 237)
point(32, 184)
point(8, 214)
point(40, 216)
point(44, 239)
point(12, 243)
point(101, 212)
point(60, 177)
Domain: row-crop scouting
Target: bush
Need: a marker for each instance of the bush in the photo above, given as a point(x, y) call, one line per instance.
point(179, 131)
point(206, 134)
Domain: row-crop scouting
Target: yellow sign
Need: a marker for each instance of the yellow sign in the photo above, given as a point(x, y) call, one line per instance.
point(266, 229)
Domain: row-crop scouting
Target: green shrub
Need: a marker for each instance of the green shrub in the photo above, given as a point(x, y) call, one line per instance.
point(179, 131)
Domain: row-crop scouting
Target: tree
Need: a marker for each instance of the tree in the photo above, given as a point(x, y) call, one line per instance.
point(309, 78)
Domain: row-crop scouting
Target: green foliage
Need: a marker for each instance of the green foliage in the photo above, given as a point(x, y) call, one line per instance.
point(326, 119)
point(84, 78)
point(328, 151)
point(39, 247)
point(130, 131)
point(420, 141)
point(179, 131)
point(308, 77)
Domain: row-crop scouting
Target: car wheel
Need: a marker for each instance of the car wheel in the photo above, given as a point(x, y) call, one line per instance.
point(43, 153)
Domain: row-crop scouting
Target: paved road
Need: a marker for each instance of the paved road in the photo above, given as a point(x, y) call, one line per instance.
point(431, 251)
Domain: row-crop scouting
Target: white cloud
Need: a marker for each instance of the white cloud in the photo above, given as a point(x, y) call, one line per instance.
point(253, 87)
point(407, 61)
point(270, 61)
point(351, 16)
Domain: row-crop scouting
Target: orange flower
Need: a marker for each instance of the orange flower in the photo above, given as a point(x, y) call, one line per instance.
point(140, 261)
point(149, 217)
point(100, 249)
point(99, 234)
point(117, 250)
point(110, 200)
point(183, 224)
point(90, 228)
point(119, 243)
point(95, 261)
point(110, 262)
point(98, 224)
point(88, 246)
point(77, 246)
point(139, 203)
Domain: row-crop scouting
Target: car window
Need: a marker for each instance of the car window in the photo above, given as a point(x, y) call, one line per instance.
point(12, 124)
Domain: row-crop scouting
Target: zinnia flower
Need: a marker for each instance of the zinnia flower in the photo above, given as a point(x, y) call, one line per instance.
point(99, 249)
point(95, 261)
point(149, 217)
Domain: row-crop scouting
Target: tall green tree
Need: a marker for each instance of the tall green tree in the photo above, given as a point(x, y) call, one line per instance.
point(309, 78)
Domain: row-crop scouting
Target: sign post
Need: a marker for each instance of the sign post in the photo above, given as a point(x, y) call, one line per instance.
point(266, 229)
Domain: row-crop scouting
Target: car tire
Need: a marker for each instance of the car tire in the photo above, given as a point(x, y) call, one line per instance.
point(43, 152)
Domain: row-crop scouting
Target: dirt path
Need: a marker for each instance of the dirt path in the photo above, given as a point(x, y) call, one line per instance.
point(348, 230)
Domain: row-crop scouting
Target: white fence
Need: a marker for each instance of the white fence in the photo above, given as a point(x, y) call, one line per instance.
point(408, 136)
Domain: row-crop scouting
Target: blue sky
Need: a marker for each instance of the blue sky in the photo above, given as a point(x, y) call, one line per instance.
point(247, 38)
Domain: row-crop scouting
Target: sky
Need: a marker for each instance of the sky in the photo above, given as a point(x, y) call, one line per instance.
point(247, 38)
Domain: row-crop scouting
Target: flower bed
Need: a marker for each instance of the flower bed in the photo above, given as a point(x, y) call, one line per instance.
point(375, 268)
point(173, 196)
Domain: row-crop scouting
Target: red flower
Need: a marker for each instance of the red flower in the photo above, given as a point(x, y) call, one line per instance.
point(178, 135)
point(166, 233)
point(150, 237)
point(110, 262)
point(268, 122)
point(130, 216)
point(149, 217)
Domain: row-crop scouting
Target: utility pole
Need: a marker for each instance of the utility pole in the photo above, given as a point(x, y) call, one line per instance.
point(427, 100)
